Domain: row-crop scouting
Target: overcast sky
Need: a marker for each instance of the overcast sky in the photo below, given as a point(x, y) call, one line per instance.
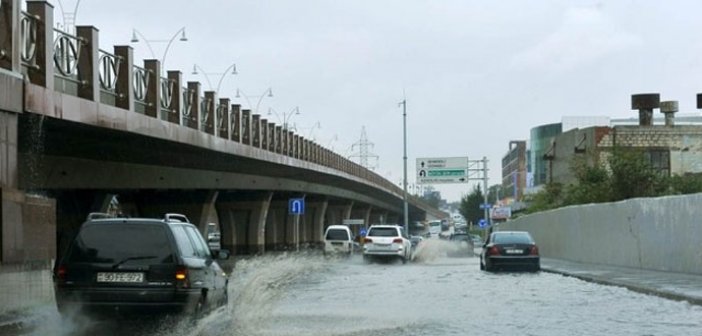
point(476, 74)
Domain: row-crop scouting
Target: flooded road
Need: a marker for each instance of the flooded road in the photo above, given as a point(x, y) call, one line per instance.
point(312, 295)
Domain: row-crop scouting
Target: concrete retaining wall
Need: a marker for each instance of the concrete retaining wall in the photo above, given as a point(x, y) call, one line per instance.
point(25, 286)
point(662, 233)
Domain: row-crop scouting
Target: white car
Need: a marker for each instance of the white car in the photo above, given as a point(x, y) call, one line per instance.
point(389, 241)
point(338, 239)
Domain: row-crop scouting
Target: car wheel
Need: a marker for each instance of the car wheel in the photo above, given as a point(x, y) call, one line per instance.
point(404, 260)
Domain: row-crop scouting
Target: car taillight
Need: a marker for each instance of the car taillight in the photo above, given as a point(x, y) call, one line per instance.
point(534, 250)
point(181, 274)
point(397, 241)
point(61, 273)
point(367, 240)
point(493, 251)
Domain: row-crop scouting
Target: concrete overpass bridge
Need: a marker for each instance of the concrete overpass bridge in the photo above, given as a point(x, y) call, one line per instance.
point(82, 128)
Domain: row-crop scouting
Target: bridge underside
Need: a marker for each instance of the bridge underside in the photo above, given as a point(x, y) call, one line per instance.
point(81, 169)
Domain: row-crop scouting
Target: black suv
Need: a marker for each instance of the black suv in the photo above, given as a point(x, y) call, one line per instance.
point(136, 264)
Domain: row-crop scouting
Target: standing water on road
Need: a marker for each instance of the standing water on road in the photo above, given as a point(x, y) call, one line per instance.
point(311, 295)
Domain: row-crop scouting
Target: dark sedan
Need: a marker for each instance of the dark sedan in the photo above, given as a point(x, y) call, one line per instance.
point(510, 250)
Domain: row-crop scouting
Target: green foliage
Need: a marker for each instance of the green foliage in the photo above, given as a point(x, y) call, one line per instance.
point(594, 184)
point(627, 174)
point(550, 197)
point(685, 184)
point(470, 205)
point(631, 176)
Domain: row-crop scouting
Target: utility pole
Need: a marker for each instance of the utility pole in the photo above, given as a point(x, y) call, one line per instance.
point(404, 157)
point(485, 193)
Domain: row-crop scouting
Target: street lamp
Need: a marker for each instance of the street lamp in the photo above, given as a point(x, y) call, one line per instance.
point(284, 118)
point(404, 157)
point(137, 34)
point(226, 72)
point(267, 93)
point(69, 18)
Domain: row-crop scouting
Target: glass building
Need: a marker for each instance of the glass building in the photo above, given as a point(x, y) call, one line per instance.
point(540, 141)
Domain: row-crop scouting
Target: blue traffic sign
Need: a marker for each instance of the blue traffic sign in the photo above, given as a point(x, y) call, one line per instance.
point(296, 206)
point(363, 232)
point(482, 223)
point(486, 206)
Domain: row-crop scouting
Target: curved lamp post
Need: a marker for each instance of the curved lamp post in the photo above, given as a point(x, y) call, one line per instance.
point(137, 34)
point(226, 72)
point(284, 118)
point(267, 93)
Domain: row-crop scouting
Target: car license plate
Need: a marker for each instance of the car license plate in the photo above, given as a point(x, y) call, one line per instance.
point(513, 251)
point(120, 277)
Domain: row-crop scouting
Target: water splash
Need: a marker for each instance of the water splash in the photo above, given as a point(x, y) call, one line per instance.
point(255, 287)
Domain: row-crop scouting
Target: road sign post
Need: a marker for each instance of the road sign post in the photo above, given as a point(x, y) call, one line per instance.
point(296, 206)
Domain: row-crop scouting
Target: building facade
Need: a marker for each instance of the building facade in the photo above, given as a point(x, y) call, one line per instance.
point(514, 171)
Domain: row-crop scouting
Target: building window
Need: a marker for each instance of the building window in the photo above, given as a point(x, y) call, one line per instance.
point(659, 161)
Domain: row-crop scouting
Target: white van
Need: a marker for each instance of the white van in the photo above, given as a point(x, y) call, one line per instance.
point(338, 239)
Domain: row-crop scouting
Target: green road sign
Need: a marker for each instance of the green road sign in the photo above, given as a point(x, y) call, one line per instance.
point(446, 173)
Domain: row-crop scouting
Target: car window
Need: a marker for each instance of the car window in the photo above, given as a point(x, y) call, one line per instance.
point(512, 238)
point(383, 232)
point(200, 246)
point(138, 243)
point(186, 246)
point(337, 234)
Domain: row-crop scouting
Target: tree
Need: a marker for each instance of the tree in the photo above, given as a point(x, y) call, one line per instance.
point(631, 176)
point(593, 184)
point(470, 205)
point(550, 197)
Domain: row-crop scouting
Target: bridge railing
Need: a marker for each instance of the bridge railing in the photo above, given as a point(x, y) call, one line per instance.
point(75, 65)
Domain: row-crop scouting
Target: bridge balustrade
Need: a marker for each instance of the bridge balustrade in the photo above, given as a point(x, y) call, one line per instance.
point(75, 65)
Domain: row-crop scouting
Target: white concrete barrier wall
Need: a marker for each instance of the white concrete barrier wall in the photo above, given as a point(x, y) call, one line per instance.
point(662, 233)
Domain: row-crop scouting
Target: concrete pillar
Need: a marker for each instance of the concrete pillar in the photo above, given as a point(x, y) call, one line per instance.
point(10, 53)
point(361, 211)
point(176, 107)
point(272, 140)
point(197, 205)
point(246, 127)
point(223, 123)
point(88, 63)
point(244, 221)
point(153, 88)
point(279, 139)
point(209, 116)
point(315, 236)
point(264, 134)
point(41, 72)
point(256, 130)
point(125, 80)
point(235, 123)
point(193, 105)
